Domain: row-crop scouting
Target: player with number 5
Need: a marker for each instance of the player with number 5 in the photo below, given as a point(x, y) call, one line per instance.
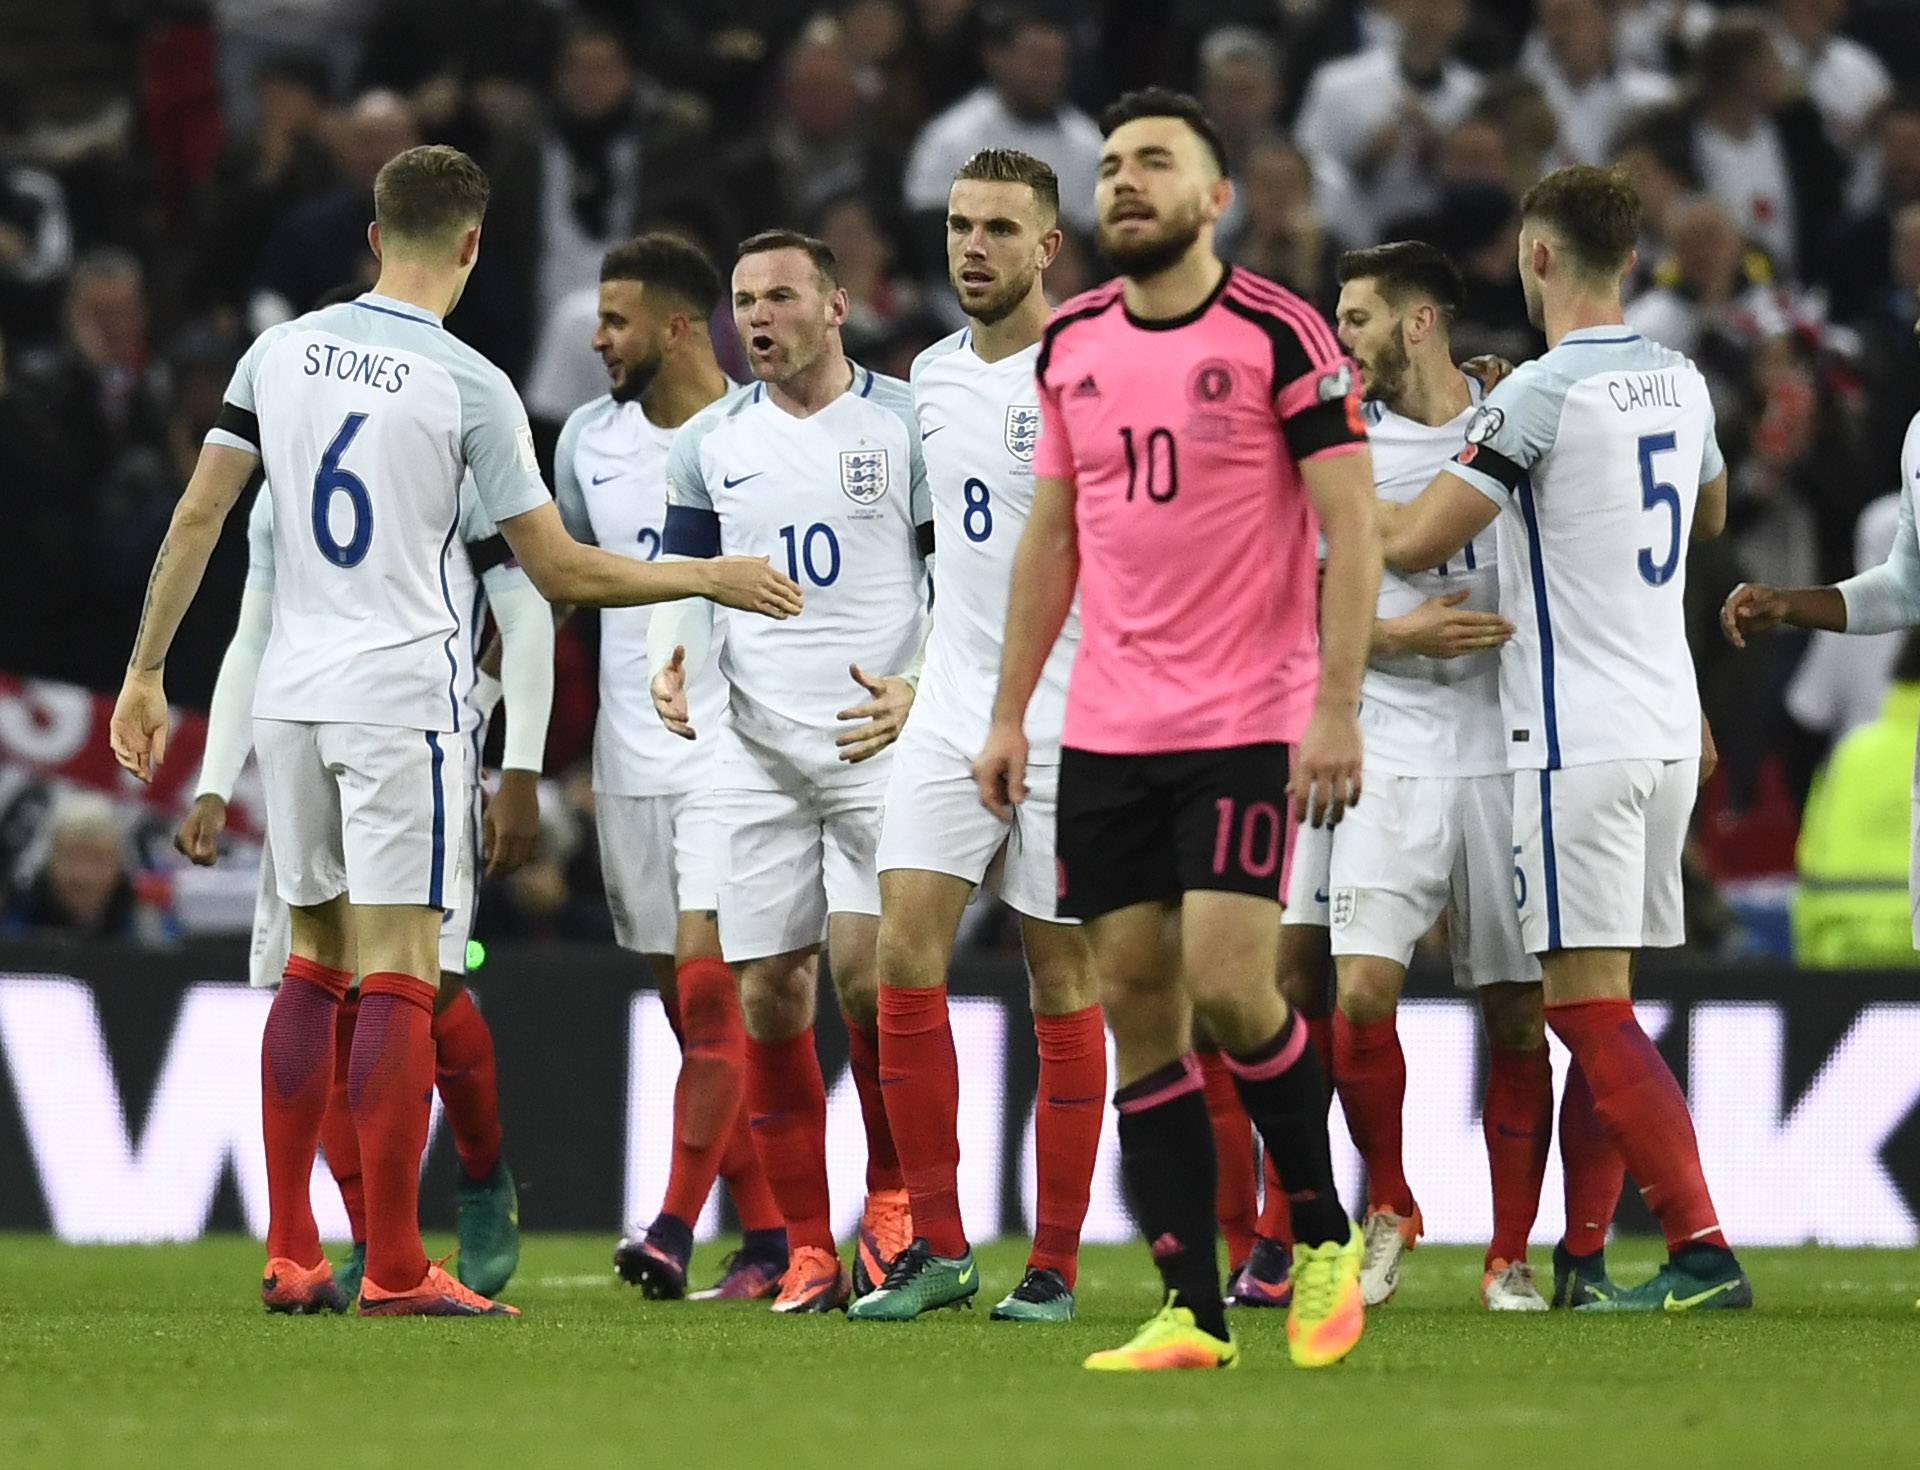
point(1601, 458)
point(816, 464)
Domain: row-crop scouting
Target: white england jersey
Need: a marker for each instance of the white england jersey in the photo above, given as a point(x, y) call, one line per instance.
point(978, 423)
point(610, 482)
point(478, 540)
point(1597, 451)
point(1885, 598)
point(1425, 716)
point(838, 501)
point(367, 416)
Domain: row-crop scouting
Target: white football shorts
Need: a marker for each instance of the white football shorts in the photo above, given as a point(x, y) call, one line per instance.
point(936, 822)
point(1417, 847)
point(659, 859)
point(792, 857)
point(1599, 851)
point(377, 812)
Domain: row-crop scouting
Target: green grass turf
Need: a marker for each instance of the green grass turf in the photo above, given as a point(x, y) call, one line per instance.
point(161, 1356)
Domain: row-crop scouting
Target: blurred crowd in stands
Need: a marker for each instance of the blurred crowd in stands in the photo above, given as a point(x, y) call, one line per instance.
point(176, 175)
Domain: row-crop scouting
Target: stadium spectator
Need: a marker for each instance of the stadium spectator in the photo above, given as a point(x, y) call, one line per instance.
point(814, 146)
point(1659, 35)
point(1655, 150)
point(1842, 78)
point(50, 536)
point(264, 176)
point(1889, 354)
point(1860, 269)
point(84, 888)
point(252, 31)
point(1240, 88)
point(1851, 909)
point(1379, 115)
point(1843, 678)
point(1708, 283)
point(322, 242)
point(1331, 30)
point(866, 251)
point(1761, 151)
point(1282, 234)
point(1571, 56)
point(1024, 105)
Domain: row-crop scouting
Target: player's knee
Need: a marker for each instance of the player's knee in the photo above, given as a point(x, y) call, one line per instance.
point(1240, 1018)
point(776, 999)
point(1306, 970)
point(1061, 977)
point(1369, 991)
point(1515, 1017)
point(909, 958)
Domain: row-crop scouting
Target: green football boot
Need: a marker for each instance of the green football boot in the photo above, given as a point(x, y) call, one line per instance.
point(1709, 1280)
point(488, 1222)
point(1579, 1281)
point(1041, 1296)
point(347, 1274)
point(919, 1281)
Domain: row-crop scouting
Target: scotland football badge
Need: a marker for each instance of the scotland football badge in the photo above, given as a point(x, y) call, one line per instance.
point(863, 474)
point(1023, 430)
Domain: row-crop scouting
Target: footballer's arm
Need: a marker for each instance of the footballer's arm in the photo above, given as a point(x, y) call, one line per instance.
point(566, 571)
point(1046, 569)
point(1435, 524)
point(138, 732)
point(1340, 484)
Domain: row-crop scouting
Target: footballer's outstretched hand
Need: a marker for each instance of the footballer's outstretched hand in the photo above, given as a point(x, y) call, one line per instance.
point(751, 584)
point(669, 690)
point(885, 714)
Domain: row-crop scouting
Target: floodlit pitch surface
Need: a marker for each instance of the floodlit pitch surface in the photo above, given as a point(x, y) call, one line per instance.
point(162, 1356)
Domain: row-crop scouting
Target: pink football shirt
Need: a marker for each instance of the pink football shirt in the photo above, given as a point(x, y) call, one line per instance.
point(1197, 539)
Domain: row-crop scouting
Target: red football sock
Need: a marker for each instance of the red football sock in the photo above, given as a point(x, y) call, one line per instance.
point(1068, 1108)
point(1237, 1185)
point(753, 1200)
point(921, 1097)
point(338, 1141)
point(1320, 1033)
point(787, 1103)
point(713, 1075)
point(1276, 1211)
point(1644, 1112)
point(390, 1089)
point(296, 1073)
point(863, 1059)
point(1518, 1122)
point(1595, 1172)
point(1370, 1073)
point(463, 1070)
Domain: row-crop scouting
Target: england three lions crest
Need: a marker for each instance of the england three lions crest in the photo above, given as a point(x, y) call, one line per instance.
point(1023, 430)
point(863, 474)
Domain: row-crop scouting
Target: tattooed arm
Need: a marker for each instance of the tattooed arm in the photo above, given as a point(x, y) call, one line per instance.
point(139, 729)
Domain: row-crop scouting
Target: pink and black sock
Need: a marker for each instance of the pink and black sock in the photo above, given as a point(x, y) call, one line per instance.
point(1166, 1160)
point(1285, 1094)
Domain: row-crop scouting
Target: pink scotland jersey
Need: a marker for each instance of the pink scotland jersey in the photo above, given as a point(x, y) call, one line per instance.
point(1197, 539)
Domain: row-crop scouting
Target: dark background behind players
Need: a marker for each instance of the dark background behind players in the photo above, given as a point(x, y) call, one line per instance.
point(174, 176)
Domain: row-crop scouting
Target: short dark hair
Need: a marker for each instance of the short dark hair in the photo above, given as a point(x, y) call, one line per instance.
point(1737, 37)
point(429, 193)
point(667, 262)
point(1403, 268)
point(1593, 212)
point(1165, 102)
point(1001, 25)
point(1011, 166)
point(816, 250)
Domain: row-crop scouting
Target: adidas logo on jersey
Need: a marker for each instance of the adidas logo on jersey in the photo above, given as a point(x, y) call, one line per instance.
point(1086, 388)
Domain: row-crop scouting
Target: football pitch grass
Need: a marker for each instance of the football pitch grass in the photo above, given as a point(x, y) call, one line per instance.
point(162, 1356)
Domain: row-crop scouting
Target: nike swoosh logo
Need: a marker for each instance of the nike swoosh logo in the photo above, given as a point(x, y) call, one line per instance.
point(1073, 1102)
point(1683, 1303)
point(730, 482)
point(1505, 1132)
point(1319, 895)
point(602, 479)
point(928, 434)
point(967, 1275)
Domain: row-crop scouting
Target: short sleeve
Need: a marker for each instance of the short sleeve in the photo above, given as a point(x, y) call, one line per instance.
point(692, 526)
point(1712, 461)
point(1052, 453)
point(567, 493)
point(1314, 389)
point(237, 426)
point(260, 541)
point(1512, 429)
point(498, 445)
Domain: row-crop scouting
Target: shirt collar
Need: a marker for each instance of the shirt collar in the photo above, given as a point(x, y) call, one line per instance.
point(1611, 332)
point(396, 307)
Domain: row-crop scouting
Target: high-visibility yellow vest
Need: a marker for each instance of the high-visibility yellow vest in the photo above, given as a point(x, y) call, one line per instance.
point(1851, 909)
